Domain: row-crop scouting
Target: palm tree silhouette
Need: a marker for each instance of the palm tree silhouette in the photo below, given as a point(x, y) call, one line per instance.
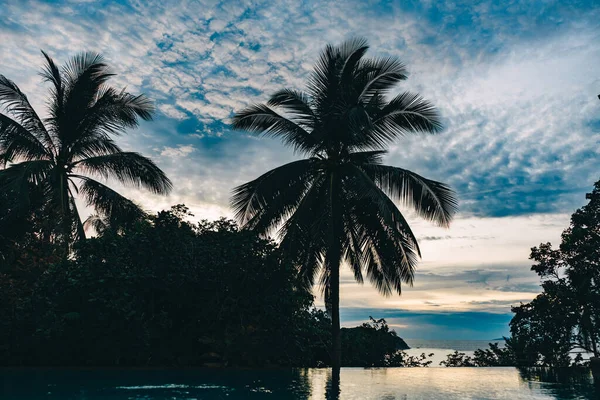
point(338, 203)
point(61, 155)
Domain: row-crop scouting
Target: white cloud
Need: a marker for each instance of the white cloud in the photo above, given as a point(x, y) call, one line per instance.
point(176, 152)
point(172, 112)
point(467, 271)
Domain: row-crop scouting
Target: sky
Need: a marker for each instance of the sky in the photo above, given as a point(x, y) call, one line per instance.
point(515, 81)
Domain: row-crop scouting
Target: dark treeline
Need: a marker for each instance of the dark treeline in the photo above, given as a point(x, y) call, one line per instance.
point(566, 315)
point(562, 322)
point(166, 292)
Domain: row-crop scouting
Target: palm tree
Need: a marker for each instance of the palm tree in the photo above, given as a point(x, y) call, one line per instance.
point(60, 156)
point(337, 204)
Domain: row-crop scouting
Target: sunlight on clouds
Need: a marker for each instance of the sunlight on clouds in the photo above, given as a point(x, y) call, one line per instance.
point(179, 151)
point(478, 264)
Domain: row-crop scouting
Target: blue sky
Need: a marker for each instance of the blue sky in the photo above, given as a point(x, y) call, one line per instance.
point(515, 81)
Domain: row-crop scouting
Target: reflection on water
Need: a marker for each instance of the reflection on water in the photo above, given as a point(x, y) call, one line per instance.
point(355, 383)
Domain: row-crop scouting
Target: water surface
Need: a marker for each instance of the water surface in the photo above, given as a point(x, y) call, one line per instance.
point(356, 383)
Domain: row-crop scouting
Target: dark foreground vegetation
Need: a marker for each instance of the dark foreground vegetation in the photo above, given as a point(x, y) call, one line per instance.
point(562, 322)
point(166, 292)
point(163, 291)
point(566, 315)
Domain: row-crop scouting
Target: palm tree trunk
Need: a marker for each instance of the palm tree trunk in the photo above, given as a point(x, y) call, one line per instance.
point(333, 263)
point(336, 342)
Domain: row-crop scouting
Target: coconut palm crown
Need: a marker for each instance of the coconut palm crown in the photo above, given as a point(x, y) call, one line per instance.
point(64, 154)
point(338, 204)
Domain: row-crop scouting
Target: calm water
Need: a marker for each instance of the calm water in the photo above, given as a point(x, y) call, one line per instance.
point(356, 383)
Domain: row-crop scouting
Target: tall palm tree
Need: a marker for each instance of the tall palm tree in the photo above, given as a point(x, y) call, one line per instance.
point(337, 204)
point(60, 156)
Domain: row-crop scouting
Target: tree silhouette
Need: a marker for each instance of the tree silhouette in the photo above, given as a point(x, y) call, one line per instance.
point(337, 204)
point(59, 156)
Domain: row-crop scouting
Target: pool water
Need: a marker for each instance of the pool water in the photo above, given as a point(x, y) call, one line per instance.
point(355, 383)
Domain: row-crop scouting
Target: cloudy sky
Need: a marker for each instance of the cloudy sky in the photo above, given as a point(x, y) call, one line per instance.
point(516, 84)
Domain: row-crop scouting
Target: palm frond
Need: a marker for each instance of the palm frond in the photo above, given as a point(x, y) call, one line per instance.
point(18, 143)
point(93, 146)
point(113, 111)
point(263, 203)
point(30, 172)
point(78, 231)
point(351, 52)
point(85, 74)
point(406, 114)
point(352, 249)
point(263, 120)
point(296, 104)
point(378, 76)
point(111, 114)
point(434, 201)
point(129, 168)
point(389, 256)
point(367, 157)
point(84, 68)
point(323, 82)
point(51, 73)
point(365, 192)
point(390, 250)
point(16, 103)
point(350, 47)
point(304, 233)
point(110, 205)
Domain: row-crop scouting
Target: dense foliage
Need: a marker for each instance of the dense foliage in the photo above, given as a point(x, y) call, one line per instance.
point(494, 356)
point(373, 344)
point(566, 315)
point(167, 292)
